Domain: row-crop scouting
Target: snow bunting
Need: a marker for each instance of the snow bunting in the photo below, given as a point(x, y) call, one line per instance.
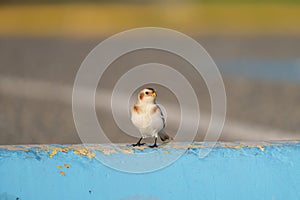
point(147, 116)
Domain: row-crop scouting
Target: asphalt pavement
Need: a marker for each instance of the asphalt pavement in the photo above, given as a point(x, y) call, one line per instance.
point(37, 76)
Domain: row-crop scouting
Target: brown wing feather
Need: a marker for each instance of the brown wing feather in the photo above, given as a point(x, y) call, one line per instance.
point(136, 109)
point(154, 110)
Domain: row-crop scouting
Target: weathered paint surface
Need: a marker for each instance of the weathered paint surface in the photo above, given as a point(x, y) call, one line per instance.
point(230, 171)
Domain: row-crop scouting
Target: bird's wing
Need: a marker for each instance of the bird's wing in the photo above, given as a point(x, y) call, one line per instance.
point(161, 115)
point(164, 136)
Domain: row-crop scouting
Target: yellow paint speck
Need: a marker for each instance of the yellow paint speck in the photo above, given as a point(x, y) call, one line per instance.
point(62, 173)
point(126, 150)
point(67, 165)
point(166, 152)
point(239, 147)
point(84, 152)
point(53, 153)
point(59, 166)
point(65, 150)
point(262, 148)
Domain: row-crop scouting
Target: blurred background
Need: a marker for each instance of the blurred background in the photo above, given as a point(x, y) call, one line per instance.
point(255, 44)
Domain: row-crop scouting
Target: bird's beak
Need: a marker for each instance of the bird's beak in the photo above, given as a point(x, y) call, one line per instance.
point(154, 94)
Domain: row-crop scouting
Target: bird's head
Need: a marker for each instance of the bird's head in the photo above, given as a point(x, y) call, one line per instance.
point(147, 95)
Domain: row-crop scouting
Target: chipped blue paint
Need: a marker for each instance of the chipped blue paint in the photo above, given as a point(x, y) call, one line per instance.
point(226, 173)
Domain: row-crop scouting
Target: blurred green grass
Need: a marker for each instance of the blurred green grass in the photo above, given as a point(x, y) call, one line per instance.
point(94, 19)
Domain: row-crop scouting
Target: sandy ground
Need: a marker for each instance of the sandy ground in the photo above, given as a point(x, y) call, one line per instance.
point(28, 117)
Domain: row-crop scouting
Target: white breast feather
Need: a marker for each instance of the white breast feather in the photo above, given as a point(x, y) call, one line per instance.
point(148, 124)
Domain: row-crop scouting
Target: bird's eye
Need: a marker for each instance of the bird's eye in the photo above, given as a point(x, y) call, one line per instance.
point(146, 92)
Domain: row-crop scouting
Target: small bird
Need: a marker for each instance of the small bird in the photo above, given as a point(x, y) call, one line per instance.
point(147, 116)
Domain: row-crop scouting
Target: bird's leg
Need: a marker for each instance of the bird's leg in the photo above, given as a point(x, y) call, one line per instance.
point(139, 143)
point(154, 145)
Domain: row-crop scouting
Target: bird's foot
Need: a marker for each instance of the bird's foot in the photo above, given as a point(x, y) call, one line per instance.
point(153, 146)
point(138, 144)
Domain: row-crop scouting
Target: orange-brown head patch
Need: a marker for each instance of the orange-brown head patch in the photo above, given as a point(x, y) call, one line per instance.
point(142, 95)
point(151, 89)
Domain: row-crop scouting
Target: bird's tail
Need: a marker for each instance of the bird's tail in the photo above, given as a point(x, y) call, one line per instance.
point(164, 136)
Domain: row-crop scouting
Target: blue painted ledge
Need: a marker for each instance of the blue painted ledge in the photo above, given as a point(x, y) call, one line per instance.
point(230, 171)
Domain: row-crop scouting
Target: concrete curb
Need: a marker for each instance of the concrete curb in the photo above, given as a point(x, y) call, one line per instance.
point(231, 171)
